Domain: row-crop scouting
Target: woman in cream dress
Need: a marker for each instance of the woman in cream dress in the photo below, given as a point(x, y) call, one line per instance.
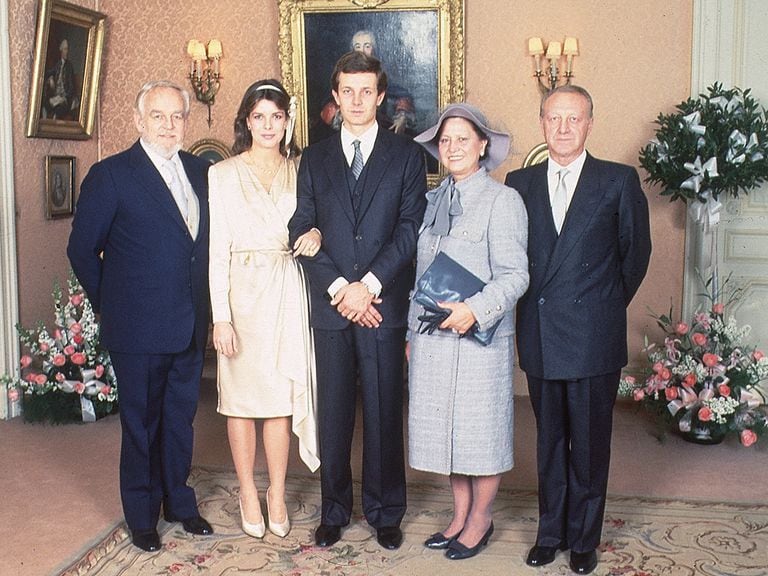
point(259, 302)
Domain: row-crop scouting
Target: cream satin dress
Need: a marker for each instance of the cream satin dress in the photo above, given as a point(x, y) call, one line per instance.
point(258, 286)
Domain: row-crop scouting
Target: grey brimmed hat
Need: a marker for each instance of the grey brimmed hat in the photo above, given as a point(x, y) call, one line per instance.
point(498, 148)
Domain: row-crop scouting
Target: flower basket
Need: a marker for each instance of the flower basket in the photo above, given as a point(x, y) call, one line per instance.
point(713, 145)
point(65, 376)
point(703, 380)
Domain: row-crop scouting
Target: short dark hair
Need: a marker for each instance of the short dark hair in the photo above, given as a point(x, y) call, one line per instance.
point(256, 92)
point(356, 63)
point(567, 89)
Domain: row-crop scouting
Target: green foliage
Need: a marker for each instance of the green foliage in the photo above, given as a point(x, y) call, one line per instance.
point(714, 144)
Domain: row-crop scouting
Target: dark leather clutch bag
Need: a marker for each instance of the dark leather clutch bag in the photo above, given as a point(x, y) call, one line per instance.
point(445, 280)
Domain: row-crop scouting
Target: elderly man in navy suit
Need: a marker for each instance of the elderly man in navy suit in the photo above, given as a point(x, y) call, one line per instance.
point(139, 246)
point(364, 189)
point(588, 251)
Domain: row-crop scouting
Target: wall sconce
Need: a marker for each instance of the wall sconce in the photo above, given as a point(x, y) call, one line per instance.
point(204, 71)
point(555, 50)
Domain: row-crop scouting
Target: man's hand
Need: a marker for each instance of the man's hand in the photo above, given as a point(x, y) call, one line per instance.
point(224, 339)
point(308, 244)
point(356, 304)
point(461, 318)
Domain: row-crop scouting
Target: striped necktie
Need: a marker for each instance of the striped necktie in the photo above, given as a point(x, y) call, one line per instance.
point(357, 160)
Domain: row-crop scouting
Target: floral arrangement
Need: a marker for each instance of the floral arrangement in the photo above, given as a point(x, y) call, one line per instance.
point(714, 144)
point(703, 380)
point(65, 376)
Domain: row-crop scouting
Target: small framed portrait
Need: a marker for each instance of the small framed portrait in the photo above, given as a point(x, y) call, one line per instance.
point(65, 76)
point(211, 149)
point(59, 186)
point(420, 44)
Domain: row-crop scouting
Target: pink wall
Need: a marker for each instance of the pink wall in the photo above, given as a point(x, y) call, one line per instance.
point(635, 60)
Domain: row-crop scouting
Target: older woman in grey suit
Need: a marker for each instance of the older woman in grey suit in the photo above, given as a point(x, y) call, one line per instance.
point(461, 393)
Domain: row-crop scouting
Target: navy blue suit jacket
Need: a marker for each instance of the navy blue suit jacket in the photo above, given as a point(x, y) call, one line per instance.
point(151, 285)
point(380, 238)
point(572, 321)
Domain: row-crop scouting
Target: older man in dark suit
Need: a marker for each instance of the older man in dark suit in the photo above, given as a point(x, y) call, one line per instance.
point(588, 251)
point(139, 246)
point(364, 189)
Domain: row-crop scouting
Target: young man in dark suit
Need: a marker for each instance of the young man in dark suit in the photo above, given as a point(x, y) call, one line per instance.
point(364, 190)
point(588, 250)
point(139, 246)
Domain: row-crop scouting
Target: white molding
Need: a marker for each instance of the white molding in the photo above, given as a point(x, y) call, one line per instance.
point(9, 301)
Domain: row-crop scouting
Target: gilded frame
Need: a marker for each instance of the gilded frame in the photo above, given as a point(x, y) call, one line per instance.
point(210, 149)
point(59, 186)
point(401, 25)
point(537, 155)
point(63, 96)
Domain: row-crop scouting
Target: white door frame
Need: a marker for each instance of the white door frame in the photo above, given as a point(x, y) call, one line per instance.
point(9, 296)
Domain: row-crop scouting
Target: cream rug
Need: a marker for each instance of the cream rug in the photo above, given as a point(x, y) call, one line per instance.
point(641, 537)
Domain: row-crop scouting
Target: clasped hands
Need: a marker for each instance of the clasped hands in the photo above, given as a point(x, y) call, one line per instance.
point(355, 303)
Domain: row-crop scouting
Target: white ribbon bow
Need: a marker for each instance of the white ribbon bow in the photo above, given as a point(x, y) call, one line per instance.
point(693, 122)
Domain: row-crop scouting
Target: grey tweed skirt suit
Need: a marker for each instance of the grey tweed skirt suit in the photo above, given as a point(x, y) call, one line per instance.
point(460, 393)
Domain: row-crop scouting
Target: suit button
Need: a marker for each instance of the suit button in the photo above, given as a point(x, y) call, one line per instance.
point(358, 237)
point(542, 300)
point(355, 267)
point(193, 258)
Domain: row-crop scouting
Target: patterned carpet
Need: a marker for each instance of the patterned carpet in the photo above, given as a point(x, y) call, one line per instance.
point(641, 537)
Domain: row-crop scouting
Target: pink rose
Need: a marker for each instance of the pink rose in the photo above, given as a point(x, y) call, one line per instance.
point(99, 370)
point(724, 390)
point(79, 387)
point(41, 379)
point(748, 438)
point(78, 338)
point(630, 380)
point(59, 360)
point(76, 299)
point(699, 339)
point(689, 380)
point(25, 361)
point(718, 308)
point(658, 367)
point(30, 376)
point(757, 355)
point(705, 414)
point(665, 374)
point(44, 346)
point(69, 350)
point(638, 394)
point(681, 328)
point(710, 359)
point(13, 395)
point(671, 393)
point(106, 389)
point(60, 377)
point(78, 358)
point(57, 334)
point(76, 328)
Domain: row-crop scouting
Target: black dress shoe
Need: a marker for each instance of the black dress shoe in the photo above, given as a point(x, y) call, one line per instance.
point(541, 555)
point(147, 540)
point(457, 551)
point(327, 535)
point(583, 562)
point(439, 541)
point(389, 537)
point(197, 525)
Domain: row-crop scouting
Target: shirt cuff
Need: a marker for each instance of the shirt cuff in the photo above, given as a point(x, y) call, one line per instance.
point(337, 285)
point(372, 283)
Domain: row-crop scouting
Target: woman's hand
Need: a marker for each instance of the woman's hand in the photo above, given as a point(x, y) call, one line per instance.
point(461, 318)
point(308, 244)
point(224, 339)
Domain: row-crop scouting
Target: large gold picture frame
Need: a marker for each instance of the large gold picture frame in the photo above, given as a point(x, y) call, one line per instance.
point(420, 44)
point(64, 86)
